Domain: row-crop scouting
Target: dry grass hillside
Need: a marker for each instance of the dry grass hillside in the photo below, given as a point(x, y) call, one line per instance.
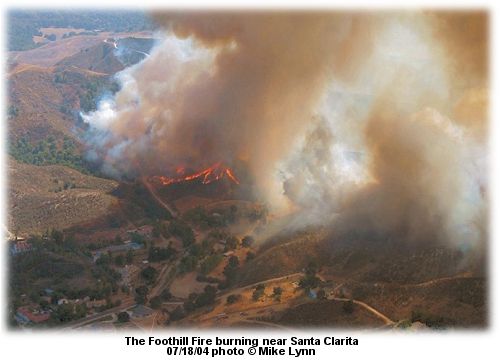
point(287, 258)
point(46, 99)
point(429, 283)
point(99, 58)
point(38, 100)
point(53, 52)
point(44, 197)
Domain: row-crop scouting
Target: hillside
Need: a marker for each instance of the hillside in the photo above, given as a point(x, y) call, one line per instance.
point(429, 283)
point(287, 258)
point(26, 25)
point(53, 52)
point(44, 197)
point(110, 57)
point(46, 101)
point(99, 58)
point(37, 101)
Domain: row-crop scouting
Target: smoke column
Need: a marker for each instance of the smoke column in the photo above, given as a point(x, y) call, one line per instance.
point(360, 120)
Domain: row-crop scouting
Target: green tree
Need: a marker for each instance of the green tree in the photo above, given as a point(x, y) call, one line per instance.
point(310, 280)
point(123, 317)
point(149, 274)
point(231, 243)
point(141, 293)
point(177, 314)
point(119, 260)
point(188, 264)
point(247, 241)
point(250, 256)
point(165, 295)
point(155, 302)
point(129, 257)
point(258, 292)
point(277, 291)
point(348, 307)
point(157, 254)
point(231, 299)
point(182, 231)
point(231, 269)
point(207, 297)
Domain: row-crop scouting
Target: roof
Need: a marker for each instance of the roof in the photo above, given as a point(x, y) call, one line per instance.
point(20, 247)
point(31, 316)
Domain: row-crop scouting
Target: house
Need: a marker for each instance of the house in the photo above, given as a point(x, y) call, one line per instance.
point(62, 301)
point(221, 316)
point(95, 303)
point(19, 247)
point(144, 230)
point(26, 314)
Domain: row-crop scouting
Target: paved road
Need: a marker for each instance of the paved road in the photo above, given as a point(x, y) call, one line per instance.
point(79, 323)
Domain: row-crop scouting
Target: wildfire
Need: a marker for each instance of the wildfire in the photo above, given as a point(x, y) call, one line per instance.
point(208, 175)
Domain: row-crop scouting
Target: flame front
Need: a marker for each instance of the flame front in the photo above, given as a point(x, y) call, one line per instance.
point(208, 175)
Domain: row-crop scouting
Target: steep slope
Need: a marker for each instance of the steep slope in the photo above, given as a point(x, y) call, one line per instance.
point(45, 197)
point(38, 100)
point(99, 58)
point(47, 100)
point(53, 52)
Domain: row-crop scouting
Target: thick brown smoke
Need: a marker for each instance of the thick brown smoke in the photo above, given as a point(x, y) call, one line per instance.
point(400, 147)
point(251, 101)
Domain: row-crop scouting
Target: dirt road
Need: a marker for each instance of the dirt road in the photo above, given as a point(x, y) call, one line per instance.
point(374, 311)
point(157, 198)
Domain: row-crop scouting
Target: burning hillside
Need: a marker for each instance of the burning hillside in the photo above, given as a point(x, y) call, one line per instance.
point(216, 172)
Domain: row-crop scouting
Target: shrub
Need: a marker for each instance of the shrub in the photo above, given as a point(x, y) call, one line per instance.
point(277, 291)
point(258, 292)
point(123, 317)
point(247, 241)
point(177, 314)
point(231, 299)
point(348, 307)
point(188, 264)
point(149, 274)
point(182, 231)
point(155, 302)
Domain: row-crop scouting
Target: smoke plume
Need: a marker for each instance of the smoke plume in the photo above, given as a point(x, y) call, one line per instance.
point(359, 120)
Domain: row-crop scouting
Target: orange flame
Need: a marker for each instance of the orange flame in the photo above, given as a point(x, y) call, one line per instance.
point(208, 175)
